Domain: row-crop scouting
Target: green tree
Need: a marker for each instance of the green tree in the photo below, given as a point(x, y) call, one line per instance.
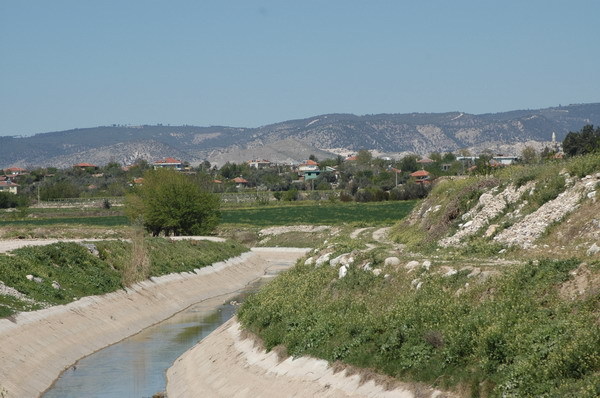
point(585, 141)
point(529, 155)
point(172, 203)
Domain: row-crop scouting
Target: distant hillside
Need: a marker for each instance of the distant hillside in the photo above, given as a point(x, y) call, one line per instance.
point(294, 140)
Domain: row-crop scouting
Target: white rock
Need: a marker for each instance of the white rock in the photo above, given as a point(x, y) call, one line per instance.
point(377, 271)
point(450, 273)
point(393, 261)
point(412, 264)
point(29, 277)
point(55, 285)
point(594, 249)
point(342, 271)
point(502, 251)
point(309, 261)
point(419, 285)
point(591, 195)
point(322, 260)
point(415, 282)
point(426, 264)
point(335, 261)
point(367, 267)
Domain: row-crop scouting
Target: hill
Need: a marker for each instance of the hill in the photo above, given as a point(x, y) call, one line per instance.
point(294, 140)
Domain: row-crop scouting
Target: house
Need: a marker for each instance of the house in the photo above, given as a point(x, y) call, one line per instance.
point(309, 170)
point(505, 160)
point(168, 163)
point(421, 176)
point(309, 165)
point(9, 186)
point(85, 166)
point(14, 171)
point(240, 182)
point(259, 163)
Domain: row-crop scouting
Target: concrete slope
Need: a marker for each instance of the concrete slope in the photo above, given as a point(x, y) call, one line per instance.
point(225, 365)
point(37, 346)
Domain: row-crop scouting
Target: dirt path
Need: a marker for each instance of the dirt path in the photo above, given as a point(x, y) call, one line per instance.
point(37, 346)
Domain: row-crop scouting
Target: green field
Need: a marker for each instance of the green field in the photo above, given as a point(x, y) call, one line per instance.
point(378, 213)
point(101, 221)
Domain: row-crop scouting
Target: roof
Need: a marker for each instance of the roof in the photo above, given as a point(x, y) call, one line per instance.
point(240, 180)
point(84, 165)
point(420, 173)
point(395, 170)
point(258, 161)
point(15, 169)
point(8, 184)
point(352, 158)
point(310, 162)
point(168, 161)
point(139, 180)
point(217, 181)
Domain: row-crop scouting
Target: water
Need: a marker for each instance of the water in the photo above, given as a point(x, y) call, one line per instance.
point(136, 366)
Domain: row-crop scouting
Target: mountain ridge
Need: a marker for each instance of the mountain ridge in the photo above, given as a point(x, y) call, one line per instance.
point(294, 140)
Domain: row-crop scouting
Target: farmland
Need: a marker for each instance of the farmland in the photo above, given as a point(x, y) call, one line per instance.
point(378, 213)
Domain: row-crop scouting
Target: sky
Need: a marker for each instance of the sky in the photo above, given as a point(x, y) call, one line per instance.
point(83, 63)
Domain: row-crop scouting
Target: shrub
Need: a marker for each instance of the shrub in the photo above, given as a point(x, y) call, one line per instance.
point(172, 203)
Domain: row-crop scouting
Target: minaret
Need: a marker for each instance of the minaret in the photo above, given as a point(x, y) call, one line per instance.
point(553, 138)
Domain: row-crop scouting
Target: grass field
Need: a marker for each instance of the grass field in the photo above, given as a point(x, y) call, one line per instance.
point(102, 221)
point(378, 213)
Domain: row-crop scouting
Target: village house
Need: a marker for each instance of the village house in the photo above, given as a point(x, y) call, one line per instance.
point(240, 182)
point(309, 170)
point(14, 171)
point(168, 163)
point(9, 186)
point(259, 163)
point(421, 176)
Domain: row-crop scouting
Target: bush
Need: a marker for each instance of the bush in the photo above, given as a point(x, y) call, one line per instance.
point(10, 200)
point(291, 195)
point(172, 203)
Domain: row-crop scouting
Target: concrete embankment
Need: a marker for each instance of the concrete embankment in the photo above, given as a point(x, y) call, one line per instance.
point(36, 347)
point(226, 365)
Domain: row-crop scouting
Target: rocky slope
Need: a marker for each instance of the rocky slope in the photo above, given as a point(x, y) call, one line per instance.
point(295, 140)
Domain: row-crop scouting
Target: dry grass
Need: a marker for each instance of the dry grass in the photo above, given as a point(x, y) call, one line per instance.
point(138, 266)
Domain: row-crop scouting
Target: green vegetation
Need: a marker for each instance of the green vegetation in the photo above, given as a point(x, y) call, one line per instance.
point(585, 141)
point(105, 221)
point(79, 273)
point(172, 203)
point(381, 213)
point(511, 336)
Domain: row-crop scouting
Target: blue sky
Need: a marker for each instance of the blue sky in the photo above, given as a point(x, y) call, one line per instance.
point(82, 63)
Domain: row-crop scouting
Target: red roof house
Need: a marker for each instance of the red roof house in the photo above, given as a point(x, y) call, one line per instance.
point(14, 170)
point(168, 163)
point(420, 176)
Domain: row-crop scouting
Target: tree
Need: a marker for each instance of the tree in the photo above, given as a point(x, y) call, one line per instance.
point(173, 203)
point(529, 155)
point(585, 141)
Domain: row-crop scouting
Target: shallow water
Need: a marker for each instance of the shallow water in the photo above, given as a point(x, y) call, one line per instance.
point(136, 367)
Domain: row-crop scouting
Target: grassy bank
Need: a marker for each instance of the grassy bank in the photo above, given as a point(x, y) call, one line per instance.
point(510, 336)
point(76, 272)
